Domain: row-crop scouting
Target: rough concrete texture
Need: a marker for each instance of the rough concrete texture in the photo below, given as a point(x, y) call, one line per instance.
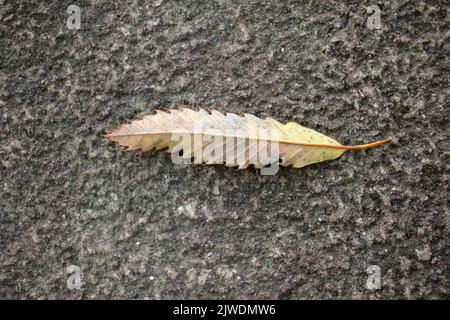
point(142, 227)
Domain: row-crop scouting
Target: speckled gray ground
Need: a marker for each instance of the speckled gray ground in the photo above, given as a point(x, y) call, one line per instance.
point(141, 227)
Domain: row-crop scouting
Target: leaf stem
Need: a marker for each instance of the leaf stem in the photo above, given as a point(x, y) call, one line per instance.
point(369, 145)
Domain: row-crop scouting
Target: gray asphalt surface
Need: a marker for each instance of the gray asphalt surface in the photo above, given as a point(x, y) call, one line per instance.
point(76, 207)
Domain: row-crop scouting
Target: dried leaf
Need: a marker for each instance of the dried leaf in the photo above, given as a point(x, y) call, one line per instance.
point(216, 138)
